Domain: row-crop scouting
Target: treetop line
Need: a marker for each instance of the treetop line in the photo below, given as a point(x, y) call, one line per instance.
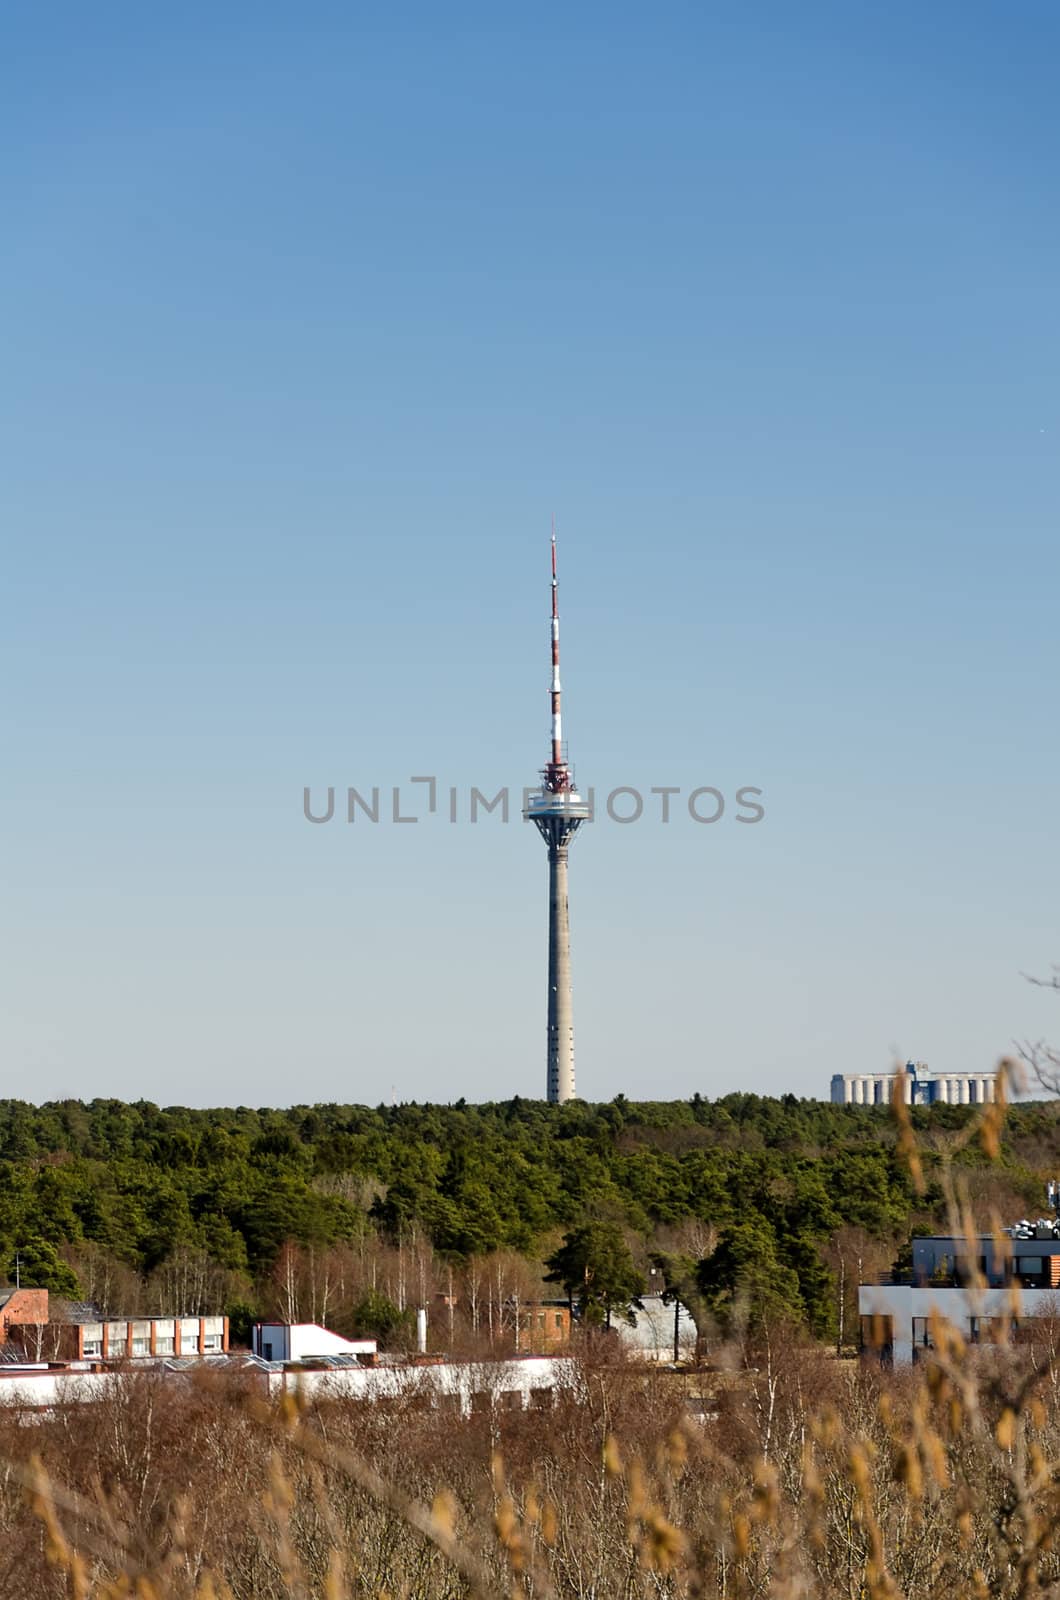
point(759, 1188)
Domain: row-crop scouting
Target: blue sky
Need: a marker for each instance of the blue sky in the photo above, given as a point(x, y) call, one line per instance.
point(310, 322)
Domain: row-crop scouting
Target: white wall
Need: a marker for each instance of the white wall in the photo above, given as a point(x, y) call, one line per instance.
point(652, 1338)
point(460, 1381)
point(903, 1302)
point(42, 1390)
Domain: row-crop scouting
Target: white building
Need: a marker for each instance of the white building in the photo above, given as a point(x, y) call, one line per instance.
point(662, 1332)
point(305, 1341)
point(463, 1387)
point(905, 1314)
point(920, 1087)
point(1022, 1283)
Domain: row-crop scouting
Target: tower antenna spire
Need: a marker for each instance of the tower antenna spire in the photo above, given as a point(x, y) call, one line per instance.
point(557, 776)
point(557, 810)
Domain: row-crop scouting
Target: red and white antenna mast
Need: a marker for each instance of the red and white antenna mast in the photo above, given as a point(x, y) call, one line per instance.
point(557, 773)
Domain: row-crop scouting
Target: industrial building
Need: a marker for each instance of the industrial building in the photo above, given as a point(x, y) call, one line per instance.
point(464, 1387)
point(920, 1087)
point(520, 1383)
point(558, 811)
point(28, 1330)
point(315, 1364)
point(120, 1338)
point(1005, 1287)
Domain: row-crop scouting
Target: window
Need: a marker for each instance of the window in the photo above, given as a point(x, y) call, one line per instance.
point(942, 1271)
point(266, 1351)
point(189, 1344)
point(559, 1320)
point(141, 1346)
point(118, 1349)
point(877, 1335)
point(92, 1347)
point(987, 1330)
point(1030, 1267)
point(212, 1341)
point(164, 1344)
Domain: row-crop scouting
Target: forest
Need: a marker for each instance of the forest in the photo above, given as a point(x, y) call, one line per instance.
point(352, 1215)
point(772, 1469)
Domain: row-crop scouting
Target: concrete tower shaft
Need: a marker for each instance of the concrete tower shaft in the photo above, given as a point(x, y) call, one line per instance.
point(557, 832)
point(559, 1079)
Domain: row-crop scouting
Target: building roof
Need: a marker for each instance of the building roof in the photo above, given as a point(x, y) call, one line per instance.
point(81, 1311)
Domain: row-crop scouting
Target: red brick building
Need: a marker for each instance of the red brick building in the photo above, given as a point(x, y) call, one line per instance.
point(29, 1306)
point(544, 1326)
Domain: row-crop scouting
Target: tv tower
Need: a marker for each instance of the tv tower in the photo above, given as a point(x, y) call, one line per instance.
point(557, 812)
